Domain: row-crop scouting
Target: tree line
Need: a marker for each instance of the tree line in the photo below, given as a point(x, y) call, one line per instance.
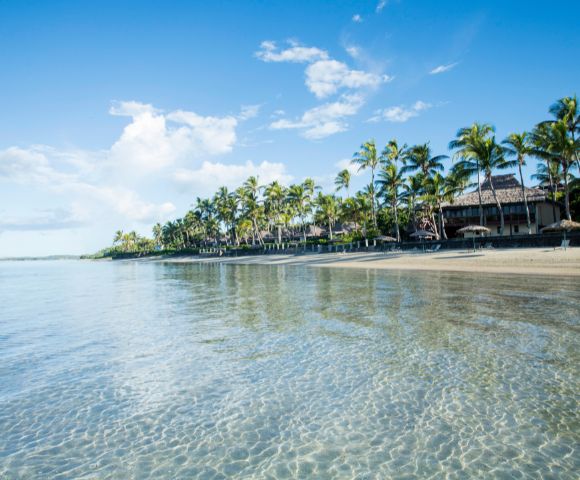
point(408, 188)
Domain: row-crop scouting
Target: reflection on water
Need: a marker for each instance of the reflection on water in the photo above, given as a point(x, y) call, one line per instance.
point(127, 370)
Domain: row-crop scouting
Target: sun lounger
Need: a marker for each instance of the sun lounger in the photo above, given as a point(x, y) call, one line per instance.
point(434, 249)
point(488, 246)
point(565, 244)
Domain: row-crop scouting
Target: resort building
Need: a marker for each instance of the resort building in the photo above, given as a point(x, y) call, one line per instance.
point(464, 210)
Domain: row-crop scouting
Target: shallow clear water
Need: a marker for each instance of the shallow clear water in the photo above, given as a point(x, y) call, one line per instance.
point(161, 371)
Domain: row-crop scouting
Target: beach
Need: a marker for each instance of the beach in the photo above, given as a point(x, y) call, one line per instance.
point(528, 261)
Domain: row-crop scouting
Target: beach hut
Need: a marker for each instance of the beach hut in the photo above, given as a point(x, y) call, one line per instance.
point(475, 229)
point(562, 226)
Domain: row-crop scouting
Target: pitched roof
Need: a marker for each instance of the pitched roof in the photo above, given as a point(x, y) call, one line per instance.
point(507, 188)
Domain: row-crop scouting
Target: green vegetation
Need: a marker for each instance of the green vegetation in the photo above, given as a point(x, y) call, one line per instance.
point(408, 187)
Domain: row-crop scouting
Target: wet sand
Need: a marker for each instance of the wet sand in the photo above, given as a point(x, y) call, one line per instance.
point(529, 261)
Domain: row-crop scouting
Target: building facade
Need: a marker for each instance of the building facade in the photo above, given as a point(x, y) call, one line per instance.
point(464, 210)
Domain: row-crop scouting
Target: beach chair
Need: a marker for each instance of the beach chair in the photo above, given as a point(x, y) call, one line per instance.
point(488, 246)
point(435, 248)
point(565, 244)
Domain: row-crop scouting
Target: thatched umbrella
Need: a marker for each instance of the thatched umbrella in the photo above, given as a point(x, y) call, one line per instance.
point(385, 238)
point(422, 234)
point(474, 229)
point(562, 226)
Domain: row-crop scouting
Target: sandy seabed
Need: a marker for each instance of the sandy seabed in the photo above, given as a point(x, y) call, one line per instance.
point(528, 261)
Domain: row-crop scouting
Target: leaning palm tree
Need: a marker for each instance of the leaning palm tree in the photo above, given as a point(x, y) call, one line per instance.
point(465, 146)
point(517, 145)
point(342, 181)
point(391, 180)
point(367, 157)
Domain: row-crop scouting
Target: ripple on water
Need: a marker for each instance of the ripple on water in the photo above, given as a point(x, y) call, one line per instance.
point(140, 371)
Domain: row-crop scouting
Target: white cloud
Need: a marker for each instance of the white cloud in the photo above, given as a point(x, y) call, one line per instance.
point(43, 220)
point(353, 51)
point(382, 4)
point(154, 140)
point(296, 53)
point(210, 176)
point(400, 113)
point(442, 68)
point(249, 111)
point(357, 18)
point(326, 77)
point(324, 120)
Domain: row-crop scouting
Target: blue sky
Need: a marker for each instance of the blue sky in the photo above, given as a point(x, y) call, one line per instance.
point(118, 114)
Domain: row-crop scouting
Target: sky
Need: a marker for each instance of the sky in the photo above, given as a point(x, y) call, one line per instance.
point(118, 114)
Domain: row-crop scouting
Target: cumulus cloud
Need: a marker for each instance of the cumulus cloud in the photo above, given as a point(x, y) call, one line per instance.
point(353, 51)
point(442, 68)
point(326, 77)
point(211, 175)
point(154, 140)
point(381, 5)
point(400, 113)
point(269, 52)
point(324, 120)
point(356, 18)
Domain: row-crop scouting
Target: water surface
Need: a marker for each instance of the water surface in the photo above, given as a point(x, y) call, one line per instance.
point(133, 370)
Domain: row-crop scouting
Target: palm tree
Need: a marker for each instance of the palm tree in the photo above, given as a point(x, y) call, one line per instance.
point(517, 145)
point(414, 188)
point(275, 195)
point(329, 208)
point(119, 234)
point(342, 180)
point(249, 194)
point(158, 235)
point(367, 157)
point(300, 201)
point(391, 180)
point(492, 157)
point(419, 158)
point(566, 110)
point(440, 189)
point(393, 152)
point(466, 146)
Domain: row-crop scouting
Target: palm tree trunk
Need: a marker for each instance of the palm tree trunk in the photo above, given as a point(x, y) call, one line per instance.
point(329, 229)
point(396, 215)
point(442, 223)
point(279, 234)
point(565, 167)
point(501, 219)
point(479, 196)
point(373, 198)
point(525, 199)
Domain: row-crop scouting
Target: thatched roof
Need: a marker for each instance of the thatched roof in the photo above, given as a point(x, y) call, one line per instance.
point(385, 238)
point(423, 234)
point(474, 229)
point(561, 225)
point(315, 231)
point(507, 188)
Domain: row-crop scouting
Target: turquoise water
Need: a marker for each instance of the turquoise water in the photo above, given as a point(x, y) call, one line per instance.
point(166, 371)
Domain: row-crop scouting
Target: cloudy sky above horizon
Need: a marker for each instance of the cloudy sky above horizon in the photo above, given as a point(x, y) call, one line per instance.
point(116, 115)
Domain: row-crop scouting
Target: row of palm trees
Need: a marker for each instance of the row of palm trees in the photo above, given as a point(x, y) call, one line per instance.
point(408, 188)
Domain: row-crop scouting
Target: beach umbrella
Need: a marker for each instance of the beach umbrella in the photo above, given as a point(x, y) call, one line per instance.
point(474, 229)
point(562, 226)
point(422, 234)
point(385, 238)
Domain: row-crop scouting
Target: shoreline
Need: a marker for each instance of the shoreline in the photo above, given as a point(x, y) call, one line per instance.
point(528, 261)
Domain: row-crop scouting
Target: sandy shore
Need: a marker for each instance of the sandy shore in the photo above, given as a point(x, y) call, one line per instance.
point(530, 261)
